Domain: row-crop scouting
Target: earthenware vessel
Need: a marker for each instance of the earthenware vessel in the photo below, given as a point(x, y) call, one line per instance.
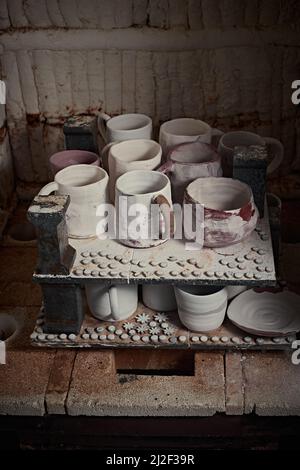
point(159, 298)
point(201, 308)
point(144, 208)
point(230, 214)
point(266, 313)
point(123, 127)
point(111, 303)
point(243, 138)
point(87, 186)
point(179, 131)
point(140, 154)
point(60, 160)
point(189, 161)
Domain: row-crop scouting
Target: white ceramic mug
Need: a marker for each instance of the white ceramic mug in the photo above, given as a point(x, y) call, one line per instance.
point(111, 303)
point(189, 161)
point(144, 208)
point(244, 138)
point(87, 186)
point(201, 308)
point(159, 298)
point(182, 130)
point(140, 154)
point(124, 127)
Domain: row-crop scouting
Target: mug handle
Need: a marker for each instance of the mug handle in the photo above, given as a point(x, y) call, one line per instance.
point(216, 135)
point(166, 168)
point(102, 120)
point(48, 189)
point(114, 303)
point(162, 201)
point(278, 149)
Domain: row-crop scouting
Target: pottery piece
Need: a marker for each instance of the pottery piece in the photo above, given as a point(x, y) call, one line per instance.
point(159, 298)
point(189, 161)
point(87, 186)
point(230, 214)
point(144, 208)
point(201, 308)
point(266, 313)
point(139, 154)
point(124, 127)
point(60, 160)
point(244, 138)
point(111, 303)
point(182, 130)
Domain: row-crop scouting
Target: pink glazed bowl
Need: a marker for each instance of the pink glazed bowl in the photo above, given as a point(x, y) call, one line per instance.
point(230, 214)
point(60, 160)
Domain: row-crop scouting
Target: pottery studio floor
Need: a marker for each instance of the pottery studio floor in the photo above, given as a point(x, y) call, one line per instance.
point(150, 383)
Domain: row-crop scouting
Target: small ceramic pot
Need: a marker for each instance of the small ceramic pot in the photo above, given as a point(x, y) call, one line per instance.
point(144, 211)
point(159, 298)
point(123, 127)
point(182, 130)
point(111, 303)
point(189, 161)
point(244, 138)
point(201, 308)
point(87, 186)
point(129, 155)
point(230, 214)
point(60, 160)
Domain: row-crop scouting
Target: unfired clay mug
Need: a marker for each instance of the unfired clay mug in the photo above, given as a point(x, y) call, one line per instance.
point(87, 186)
point(159, 298)
point(124, 127)
point(189, 161)
point(182, 130)
point(60, 160)
point(201, 308)
point(111, 303)
point(244, 138)
point(140, 154)
point(144, 207)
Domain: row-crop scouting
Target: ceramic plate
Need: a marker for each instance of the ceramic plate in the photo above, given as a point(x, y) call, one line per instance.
point(266, 313)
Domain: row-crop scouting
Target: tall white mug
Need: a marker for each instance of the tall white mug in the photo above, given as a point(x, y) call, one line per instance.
point(138, 154)
point(87, 186)
point(111, 303)
point(182, 130)
point(123, 127)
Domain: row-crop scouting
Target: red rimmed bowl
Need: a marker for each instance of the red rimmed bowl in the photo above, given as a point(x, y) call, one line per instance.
point(230, 214)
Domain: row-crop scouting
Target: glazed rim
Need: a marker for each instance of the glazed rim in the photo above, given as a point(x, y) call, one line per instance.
point(142, 182)
point(139, 150)
point(212, 154)
point(128, 122)
point(84, 156)
point(79, 176)
point(221, 194)
point(203, 291)
point(186, 126)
